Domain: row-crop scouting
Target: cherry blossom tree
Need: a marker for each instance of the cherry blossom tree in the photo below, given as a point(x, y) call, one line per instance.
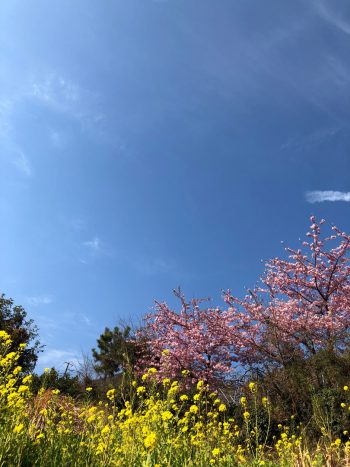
point(195, 342)
point(302, 305)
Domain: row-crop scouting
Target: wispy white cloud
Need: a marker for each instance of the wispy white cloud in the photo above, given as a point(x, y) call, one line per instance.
point(312, 139)
point(53, 326)
point(244, 66)
point(75, 318)
point(328, 10)
point(56, 92)
point(95, 248)
point(58, 358)
point(94, 244)
point(56, 138)
point(338, 72)
point(21, 162)
point(57, 320)
point(86, 320)
point(39, 300)
point(67, 97)
point(58, 95)
point(321, 196)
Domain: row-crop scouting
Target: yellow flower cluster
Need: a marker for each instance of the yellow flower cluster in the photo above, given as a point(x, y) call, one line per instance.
point(158, 424)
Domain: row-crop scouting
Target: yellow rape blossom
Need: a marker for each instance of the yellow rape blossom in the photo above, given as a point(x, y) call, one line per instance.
point(18, 428)
point(167, 415)
point(222, 408)
point(110, 394)
point(150, 440)
point(252, 387)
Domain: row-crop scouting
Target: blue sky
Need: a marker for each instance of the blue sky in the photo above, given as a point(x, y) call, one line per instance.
point(150, 144)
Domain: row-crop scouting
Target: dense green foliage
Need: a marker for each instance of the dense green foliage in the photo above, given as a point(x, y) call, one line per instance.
point(52, 379)
point(117, 351)
point(13, 320)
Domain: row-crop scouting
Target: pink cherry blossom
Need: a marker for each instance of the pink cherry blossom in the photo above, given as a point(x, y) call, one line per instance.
point(196, 339)
point(301, 305)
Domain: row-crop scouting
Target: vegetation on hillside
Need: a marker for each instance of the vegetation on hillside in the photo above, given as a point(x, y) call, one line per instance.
point(157, 425)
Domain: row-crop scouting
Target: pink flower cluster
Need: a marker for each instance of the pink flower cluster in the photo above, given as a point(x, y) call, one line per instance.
point(301, 306)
